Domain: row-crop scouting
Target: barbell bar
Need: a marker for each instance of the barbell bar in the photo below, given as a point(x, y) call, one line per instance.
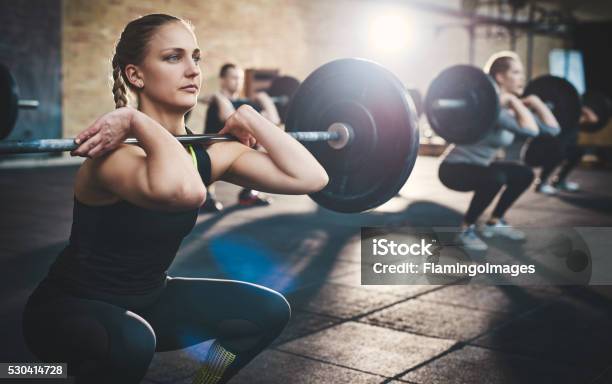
point(446, 104)
point(281, 100)
point(28, 104)
point(339, 135)
point(353, 115)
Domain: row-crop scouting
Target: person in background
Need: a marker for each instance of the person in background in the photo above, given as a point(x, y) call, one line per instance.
point(221, 105)
point(473, 167)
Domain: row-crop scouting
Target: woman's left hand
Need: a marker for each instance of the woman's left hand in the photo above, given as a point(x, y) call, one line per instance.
point(532, 101)
point(238, 126)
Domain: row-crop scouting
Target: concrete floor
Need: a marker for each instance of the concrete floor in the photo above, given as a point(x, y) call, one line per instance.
point(340, 331)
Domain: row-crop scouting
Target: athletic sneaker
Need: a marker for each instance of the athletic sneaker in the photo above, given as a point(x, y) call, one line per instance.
point(546, 189)
point(503, 229)
point(470, 239)
point(568, 186)
point(251, 198)
point(211, 205)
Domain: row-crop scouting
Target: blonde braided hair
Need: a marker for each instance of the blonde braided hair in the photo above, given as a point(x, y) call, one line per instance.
point(119, 89)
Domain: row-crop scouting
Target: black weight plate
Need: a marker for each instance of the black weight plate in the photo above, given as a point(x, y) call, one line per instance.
point(283, 86)
point(601, 105)
point(9, 97)
point(472, 122)
point(376, 164)
point(561, 97)
point(417, 99)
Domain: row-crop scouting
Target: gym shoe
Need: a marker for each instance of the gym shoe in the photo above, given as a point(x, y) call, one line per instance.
point(546, 189)
point(470, 239)
point(211, 205)
point(503, 229)
point(251, 198)
point(568, 186)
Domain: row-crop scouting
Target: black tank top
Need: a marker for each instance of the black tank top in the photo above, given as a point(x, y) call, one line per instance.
point(123, 248)
point(213, 124)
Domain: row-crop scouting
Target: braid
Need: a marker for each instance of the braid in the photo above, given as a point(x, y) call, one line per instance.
point(119, 89)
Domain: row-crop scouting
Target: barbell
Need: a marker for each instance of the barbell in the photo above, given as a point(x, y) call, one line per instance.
point(279, 100)
point(561, 97)
point(353, 115)
point(545, 148)
point(282, 89)
point(10, 103)
point(462, 103)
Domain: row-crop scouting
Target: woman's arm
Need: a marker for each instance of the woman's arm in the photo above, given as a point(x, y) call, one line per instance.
point(159, 174)
point(547, 129)
point(523, 116)
point(543, 113)
point(226, 108)
point(286, 166)
point(507, 120)
point(268, 110)
point(588, 116)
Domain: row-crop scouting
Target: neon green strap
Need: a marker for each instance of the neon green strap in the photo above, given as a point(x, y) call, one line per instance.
point(193, 156)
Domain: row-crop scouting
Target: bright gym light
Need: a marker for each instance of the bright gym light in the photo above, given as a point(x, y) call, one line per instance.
point(391, 32)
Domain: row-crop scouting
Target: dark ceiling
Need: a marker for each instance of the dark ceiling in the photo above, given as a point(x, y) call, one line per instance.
point(586, 9)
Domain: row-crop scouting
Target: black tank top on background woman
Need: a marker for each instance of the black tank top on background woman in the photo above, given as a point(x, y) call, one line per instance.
point(212, 123)
point(123, 249)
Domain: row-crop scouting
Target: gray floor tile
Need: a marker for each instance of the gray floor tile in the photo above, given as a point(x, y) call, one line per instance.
point(473, 365)
point(436, 320)
point(368, 348)
point(339, 300)
point(275, 367)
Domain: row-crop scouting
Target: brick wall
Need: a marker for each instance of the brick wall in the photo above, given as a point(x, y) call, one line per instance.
point(295, 36)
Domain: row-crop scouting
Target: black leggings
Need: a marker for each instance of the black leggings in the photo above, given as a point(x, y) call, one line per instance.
point(573, 155)
point(113, 341)
point(551, 156)
point(486, 182)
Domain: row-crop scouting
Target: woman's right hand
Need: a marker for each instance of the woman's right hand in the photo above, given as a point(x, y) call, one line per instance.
point(507, 99)
point(105, 134)
point(238, 126)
